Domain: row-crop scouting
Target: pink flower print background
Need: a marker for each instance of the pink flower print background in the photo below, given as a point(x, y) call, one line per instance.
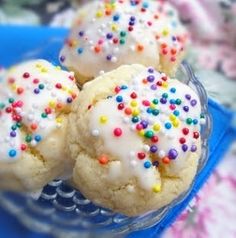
point(211, 214)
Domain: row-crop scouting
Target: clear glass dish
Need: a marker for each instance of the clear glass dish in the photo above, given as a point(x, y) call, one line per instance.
point(63, 212)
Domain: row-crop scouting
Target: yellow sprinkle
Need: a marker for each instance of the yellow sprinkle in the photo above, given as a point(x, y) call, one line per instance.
point(103, 119)
point(153, 106)
point(175, 123)
point(172, 117)
point(52, 104)
point(141, 133)
point(99, 14)
point(114, 27)
point(134, 103)
point(164, 84)
point(64, 88)
point(156, 127)
point(165, 32)
point(156, 188)
point(136, 112)
point(58, 67)
point(13, 87)
point(59, 120)
point(38, 65)
point(44, 70)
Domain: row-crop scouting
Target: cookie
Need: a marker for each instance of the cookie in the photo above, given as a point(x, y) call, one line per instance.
point(35, 100)
point(106, 35)
point(135, 136)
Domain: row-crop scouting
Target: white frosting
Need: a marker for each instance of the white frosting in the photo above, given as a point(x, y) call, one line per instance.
point(39, 92)
point(106, 117)
point(92, 37)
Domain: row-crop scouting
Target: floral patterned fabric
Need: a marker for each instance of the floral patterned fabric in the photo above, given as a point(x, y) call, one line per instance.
point(212, 213)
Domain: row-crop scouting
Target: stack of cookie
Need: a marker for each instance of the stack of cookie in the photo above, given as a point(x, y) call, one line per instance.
point(130, 139)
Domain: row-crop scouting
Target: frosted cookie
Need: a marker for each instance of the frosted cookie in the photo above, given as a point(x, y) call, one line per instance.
point(135, 136)
point(35, 99)
point(107, 35)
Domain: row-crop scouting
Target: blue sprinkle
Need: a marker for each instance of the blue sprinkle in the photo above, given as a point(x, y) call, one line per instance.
point(176, 113)
point(173, 90)
point(149, 110)
point(12, 153)
point(195, 121)
point(116, 17)
point(147, 164)
point(168, 125)
point(145, 5)
point(80, 51)
point(123, 87)
point(119, 99)
point(38, 138)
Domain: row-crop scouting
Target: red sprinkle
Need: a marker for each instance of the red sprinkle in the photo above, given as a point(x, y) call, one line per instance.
point(146, 103)
point(121, 106)
point(185, 131)
point(182, 140)
point(26, 75)
point(117, 132)
point(155, 139)
point(195, 135)
point(133, 95)
point(23, 147)
point(58, 85)
point(141, 155)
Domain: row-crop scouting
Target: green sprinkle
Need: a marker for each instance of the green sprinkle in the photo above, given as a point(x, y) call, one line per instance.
point(178, 101)
point(44, 115)
point(149, 134)
point(2, 105)
point(155, 101)
point(122, 33)
point(28, 138)
point(41, 86)
point(122, 41)
point(18, 124)
point(14, 127)
point(11, 100)
point(189, 121)
point(165, 95)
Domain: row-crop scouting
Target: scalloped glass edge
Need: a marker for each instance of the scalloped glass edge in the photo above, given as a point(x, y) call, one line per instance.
point(127, 225)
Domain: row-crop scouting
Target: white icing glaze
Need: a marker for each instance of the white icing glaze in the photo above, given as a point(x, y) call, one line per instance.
point(155, 28)
point(39, 92)
point(179, 108)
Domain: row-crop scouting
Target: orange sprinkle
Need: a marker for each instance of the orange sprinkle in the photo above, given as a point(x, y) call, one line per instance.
point(173, 51)
point(97, 49)
point(20, 90)
point(59, 105)
point(166, 160)
point(145, 81)
point(33, 126)
point(103, 159)
point(140, 47)
point(128, 111)
point(163, 45)
point(108, 12)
